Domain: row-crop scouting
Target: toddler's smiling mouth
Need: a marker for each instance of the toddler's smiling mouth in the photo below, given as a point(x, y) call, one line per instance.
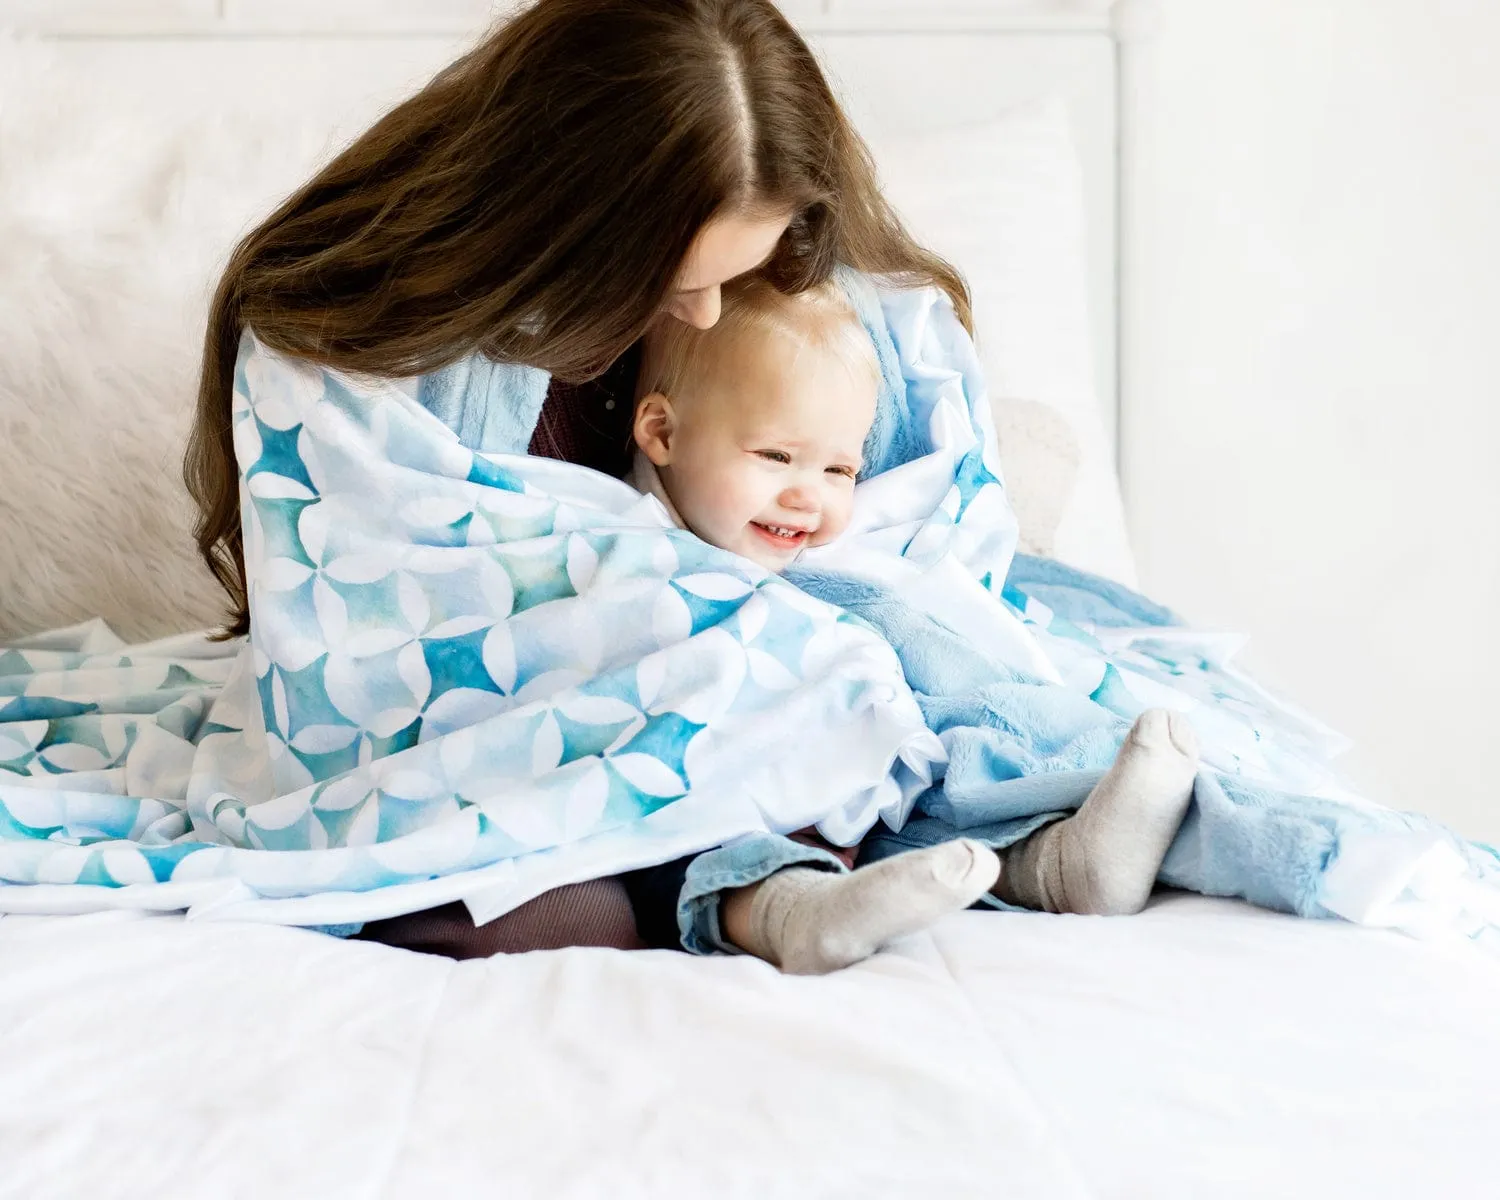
point(782, 537)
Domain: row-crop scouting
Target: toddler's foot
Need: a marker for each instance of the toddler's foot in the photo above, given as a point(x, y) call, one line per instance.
point(1103, 860)
point(810, 922)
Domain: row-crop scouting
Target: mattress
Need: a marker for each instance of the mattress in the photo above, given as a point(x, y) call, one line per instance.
point(1202, 1049)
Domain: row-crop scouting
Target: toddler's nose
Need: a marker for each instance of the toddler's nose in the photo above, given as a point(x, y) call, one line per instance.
point(799, 499)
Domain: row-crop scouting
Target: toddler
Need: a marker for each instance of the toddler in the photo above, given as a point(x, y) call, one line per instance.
point(751, 434)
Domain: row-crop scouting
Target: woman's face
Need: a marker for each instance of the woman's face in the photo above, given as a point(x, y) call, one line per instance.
point(726, 248)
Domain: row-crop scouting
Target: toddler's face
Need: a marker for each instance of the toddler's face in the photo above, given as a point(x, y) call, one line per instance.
point(763, 460)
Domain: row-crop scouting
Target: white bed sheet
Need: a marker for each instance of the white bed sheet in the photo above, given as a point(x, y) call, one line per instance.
point(1203, 1049)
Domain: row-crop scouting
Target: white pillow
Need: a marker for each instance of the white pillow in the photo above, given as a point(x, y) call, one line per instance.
point(1003, 201)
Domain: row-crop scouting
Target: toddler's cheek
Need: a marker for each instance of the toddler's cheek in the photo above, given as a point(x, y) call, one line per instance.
point(721, 513)
point(834, 523)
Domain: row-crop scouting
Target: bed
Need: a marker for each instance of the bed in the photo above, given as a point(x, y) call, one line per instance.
point(1204, 1048)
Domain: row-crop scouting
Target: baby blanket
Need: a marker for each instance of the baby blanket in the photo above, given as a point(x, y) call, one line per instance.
point(468, 674)
point(473, 674)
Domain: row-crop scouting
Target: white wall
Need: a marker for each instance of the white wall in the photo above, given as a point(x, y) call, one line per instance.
point(1314, 390)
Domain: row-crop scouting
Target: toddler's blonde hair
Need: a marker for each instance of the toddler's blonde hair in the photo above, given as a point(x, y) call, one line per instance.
point(677, 355)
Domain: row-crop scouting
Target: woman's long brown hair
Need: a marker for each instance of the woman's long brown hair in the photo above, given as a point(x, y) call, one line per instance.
point(534, 203)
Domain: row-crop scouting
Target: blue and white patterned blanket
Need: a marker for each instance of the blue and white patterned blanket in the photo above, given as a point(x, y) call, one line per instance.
point(474, 674)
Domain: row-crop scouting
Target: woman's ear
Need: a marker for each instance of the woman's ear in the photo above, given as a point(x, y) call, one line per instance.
point(655, 425)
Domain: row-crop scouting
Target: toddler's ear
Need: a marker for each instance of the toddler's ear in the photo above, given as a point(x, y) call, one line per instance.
point(654, 426)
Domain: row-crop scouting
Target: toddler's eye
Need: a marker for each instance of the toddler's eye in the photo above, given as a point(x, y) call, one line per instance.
point(845, 472)
point(775, 456)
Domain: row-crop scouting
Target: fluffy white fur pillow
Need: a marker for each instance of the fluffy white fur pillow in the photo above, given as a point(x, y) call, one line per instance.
point(115, 216)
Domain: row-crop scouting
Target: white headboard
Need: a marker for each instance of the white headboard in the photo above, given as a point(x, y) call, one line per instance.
point(979, 58)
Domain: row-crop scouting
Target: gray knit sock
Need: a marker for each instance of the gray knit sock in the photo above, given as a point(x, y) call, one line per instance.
point(810, 922)
point(1103, 860)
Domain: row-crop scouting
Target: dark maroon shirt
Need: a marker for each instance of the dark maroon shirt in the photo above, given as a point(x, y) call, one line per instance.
point(589, 423)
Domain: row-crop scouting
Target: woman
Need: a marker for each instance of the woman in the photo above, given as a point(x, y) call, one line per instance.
point(592, 166)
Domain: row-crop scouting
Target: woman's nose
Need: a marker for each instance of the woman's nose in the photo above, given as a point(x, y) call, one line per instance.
point(699, 309)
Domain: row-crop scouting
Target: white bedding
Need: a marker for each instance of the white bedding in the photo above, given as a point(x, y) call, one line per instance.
point(1203, 1049)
